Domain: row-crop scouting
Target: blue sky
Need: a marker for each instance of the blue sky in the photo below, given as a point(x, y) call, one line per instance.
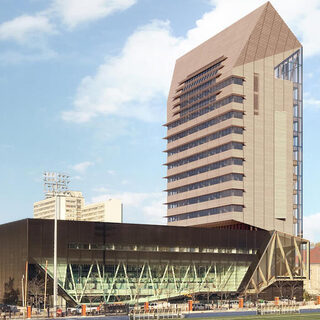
point(83, 86)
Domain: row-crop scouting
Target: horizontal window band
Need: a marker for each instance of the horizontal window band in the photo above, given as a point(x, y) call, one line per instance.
point(206, 197)
point(206, 168)
point(186, 108)
point(210, 81)
point(206, 96)
point(205, 68)
point(205, 154)
point(214, 136)
point(206, 183)
point(204, 110)
point(206, 212)
point(227, 109)
point(229, 115)
point(201, 72)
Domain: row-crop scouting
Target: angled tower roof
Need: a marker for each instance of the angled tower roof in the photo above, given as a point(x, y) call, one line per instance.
point(259, 34)
point(270, 36)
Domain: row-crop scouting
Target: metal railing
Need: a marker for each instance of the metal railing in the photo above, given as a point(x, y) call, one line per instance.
point(281, 309)
point(161, 313)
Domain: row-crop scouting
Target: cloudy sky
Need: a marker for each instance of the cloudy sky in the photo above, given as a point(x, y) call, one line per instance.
point(83, 86)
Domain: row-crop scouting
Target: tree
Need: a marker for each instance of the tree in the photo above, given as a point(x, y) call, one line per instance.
point(294, 287)
point(36, 290)
point(306, 295)
point(279, 285)
point(11, 295)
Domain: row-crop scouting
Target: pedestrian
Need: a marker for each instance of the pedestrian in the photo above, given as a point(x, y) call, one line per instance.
point(48, 310)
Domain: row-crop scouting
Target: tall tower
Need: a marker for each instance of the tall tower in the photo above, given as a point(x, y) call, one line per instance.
point(234, 129)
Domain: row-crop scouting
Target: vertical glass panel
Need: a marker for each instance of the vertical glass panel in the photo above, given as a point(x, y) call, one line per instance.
point(291, 69)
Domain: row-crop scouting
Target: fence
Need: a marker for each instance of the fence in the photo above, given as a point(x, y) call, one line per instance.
point(281, 309)
point(165, 313)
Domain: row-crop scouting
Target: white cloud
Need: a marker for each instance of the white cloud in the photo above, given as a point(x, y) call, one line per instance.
point(126, 84)
point(76, 178)
point(7, 147)
point(155, 211)
point(82, 166)
point(136, 82)
point(71, 12)
point(309, 75)
point(311, 227)
point(139, 207)
point(101, 190)
point(36, 54)
point(31, 31)
point(74, 12)
point(311, 103)
point(134, 199)
point(25, 27)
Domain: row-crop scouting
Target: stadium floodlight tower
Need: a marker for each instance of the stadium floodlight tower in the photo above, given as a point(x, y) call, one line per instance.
point(55, 185)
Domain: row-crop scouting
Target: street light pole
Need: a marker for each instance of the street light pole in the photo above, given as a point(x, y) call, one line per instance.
point(56, 185)
point(55, 245)
point(22, 290)
point(45, 287)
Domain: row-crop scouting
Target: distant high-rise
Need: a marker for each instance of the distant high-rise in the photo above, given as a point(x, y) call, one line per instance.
point(234, 122)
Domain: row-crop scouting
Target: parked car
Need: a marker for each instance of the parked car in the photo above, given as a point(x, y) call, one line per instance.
point(5, 308)
point(14, 309)
point(75, 311)
point(198, 307)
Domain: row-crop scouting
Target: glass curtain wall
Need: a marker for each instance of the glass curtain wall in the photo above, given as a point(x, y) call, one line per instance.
point(291, 69)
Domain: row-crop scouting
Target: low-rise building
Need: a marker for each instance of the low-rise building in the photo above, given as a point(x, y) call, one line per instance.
point(136, 263)
point(312, 286)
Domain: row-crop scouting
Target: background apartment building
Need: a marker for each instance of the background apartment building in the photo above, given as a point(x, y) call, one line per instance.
point(107, 211)
point(73, 207)
point(234, 129)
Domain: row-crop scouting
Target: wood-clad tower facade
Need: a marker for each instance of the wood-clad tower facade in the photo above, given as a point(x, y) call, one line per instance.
point(234, 120)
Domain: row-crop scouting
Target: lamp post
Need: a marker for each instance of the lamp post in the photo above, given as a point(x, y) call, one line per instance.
point(45, 287)
point(55, 185)
point(23, 293)
point(55, 247)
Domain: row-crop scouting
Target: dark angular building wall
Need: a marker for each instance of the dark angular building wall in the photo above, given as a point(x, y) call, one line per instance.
point(32, 240)
point(13, 254)
point(41, 240)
